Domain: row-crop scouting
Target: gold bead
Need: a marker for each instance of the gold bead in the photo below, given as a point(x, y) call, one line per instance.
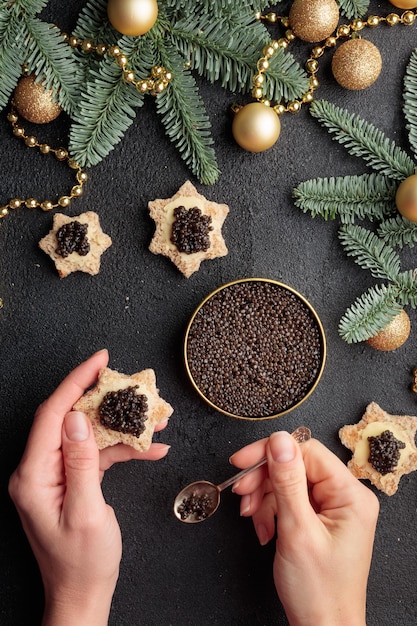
point(18, 131)
point(308, 97)
point(31, 203)
point(283, 43)
point(142, 86)
point(268, 51)
point(12, 117)
point(408, 18)
point(82, 177)
point(373, 21)
point(15, 203)
point(257, 93)
point(61, 154)
point(77, 191)
point(4, 211)
point(271, 17)
point(101, 49)
point(65, 37)
point(156, 71)
point(312, 66)
point(317, 52)
point(331, 42)
point(45, 148)
point(168, 76)
point(262, 64)
point(294, 106)
point(128, 76)
point(343, 31)
point(313, 82)
point(289, 34)
point(64, 201)
point(46, 205)
point(285, 22)
point(358, 25)
point(87, 45)
point(159, 86)
point(73, 164)
point(279, 109)
point(114, 51)
point(121, 60)
point(31, 141)
point(74, 41)
point(258, 80)
point(274, 43)
point(393, 19)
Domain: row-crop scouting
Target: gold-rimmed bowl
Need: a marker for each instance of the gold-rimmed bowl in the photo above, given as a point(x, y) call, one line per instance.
point(255, 349)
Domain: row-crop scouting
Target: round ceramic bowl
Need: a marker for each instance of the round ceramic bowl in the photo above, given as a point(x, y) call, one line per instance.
point(255, 349)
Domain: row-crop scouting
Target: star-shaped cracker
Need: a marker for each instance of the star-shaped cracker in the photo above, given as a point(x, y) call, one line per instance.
point(112, 381)
point(162, 212)
point(97, 243)
point(374, 422)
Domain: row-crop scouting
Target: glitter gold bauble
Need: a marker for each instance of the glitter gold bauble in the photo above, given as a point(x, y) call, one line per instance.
point(406, 198)
point(34, 102)
point(256, 127)
point(393, 335)
point(404, 4)
point(356, 64)
point(132, 17)
point(313, 20)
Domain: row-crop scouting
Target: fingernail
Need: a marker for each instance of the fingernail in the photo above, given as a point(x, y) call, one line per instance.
point(245, 504)
point(262, 534)
point(282, 447)
point(76, 426)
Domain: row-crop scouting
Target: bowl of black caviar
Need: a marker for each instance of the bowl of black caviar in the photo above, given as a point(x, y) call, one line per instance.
point(255, 349)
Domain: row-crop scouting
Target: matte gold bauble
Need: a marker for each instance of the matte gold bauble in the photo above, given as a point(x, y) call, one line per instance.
point(394, 334)
point(406, 198)
point(256, 127)
point(313, 20)
point(34, 102)
point(356, 64)
point(132, 17)
point(404, 4)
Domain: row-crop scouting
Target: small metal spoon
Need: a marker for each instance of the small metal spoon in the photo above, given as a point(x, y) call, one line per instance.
point(199, 500)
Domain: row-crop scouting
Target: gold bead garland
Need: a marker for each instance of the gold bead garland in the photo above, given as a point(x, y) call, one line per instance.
point(344, 31)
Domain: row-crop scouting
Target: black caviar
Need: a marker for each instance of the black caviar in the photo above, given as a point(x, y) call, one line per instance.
point(198, 506)
point(71, 238)
point(385, 452)
point(254, 349)
point(124, 411)
point(190, 230)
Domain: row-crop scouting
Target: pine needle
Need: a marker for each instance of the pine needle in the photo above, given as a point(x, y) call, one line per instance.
point(11, 56)
point(410, 100)
point(398, 231)
point(353, 8)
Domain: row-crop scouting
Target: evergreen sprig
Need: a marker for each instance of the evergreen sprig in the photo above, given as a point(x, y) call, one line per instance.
point(353, 8)
point(371, 197)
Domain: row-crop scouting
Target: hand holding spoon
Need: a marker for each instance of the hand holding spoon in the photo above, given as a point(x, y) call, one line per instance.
point(199, 500)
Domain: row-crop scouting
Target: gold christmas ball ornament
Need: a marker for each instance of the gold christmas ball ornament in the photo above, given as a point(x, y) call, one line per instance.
point(132, 17)
point(33, 102)
point(356, 64)
point(256, 127)
point(406, 198)
point(394, 334)
point(313, 20)
point(404, 4)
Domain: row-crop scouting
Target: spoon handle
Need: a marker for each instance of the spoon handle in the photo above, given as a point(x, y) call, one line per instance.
point(301, 434)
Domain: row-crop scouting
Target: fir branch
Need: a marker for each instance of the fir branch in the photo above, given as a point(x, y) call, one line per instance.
point(217, 7)
point(363, 139)
point(398, 231)
point(370, 252)
point(186, 122)
point(407, 285)
point(369, 314)
point(219, 49)
point(11, 55)
point(353, 8)
point(347, 197)
point(29, 7)
point(410, 100)
point(285, 79)
point(49, 57)
point(105, 115)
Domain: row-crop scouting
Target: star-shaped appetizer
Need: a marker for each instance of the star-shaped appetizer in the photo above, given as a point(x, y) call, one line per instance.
point(383, 447)
point(124, 409)
point(76, 243)
point(188, 228)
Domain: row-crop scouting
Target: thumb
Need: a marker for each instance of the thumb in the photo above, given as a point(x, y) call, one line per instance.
point(288, 478)
point(81, 463)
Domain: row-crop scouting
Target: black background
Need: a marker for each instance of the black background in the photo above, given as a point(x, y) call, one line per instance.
point(138, 306)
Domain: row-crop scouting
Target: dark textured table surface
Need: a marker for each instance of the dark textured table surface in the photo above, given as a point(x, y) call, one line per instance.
point(138, 306)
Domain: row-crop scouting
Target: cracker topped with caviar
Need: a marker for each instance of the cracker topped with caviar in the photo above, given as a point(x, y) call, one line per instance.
point(383, 447)
point(188, 228)
point(76, 243)
point(124, 409)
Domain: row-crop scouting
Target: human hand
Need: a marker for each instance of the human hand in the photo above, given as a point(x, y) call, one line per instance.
point(56, 489)
point(325, 523)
